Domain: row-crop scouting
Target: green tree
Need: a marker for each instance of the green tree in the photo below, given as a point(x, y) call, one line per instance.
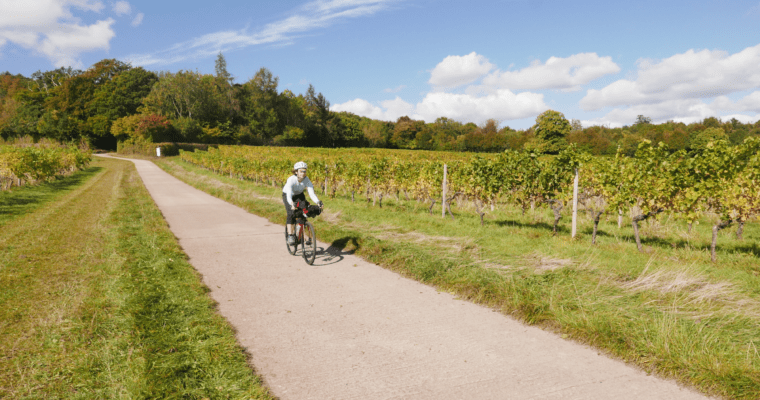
point(551, 130)
point(710, 135)
point(58, 125)
point(642, 120)
point(118, 97)
point(123, 95)
point(321, 130)
point(711, 122)
point(220, 67)
point(187, 94)
point(262, 106)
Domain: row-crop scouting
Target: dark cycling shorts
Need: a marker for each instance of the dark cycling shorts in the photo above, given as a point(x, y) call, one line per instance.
point(295, 198)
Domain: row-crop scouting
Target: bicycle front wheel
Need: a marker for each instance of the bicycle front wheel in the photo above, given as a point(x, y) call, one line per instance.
point(309, 251)
point(291, 249)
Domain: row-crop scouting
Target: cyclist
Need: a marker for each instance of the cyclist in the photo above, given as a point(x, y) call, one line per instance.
point(292, 192)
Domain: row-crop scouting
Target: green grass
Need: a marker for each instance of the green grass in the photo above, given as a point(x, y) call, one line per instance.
point(20, 201)
point(97, 299)
point(668, 310)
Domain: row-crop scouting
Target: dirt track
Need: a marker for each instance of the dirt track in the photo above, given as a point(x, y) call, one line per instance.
point(348, 329)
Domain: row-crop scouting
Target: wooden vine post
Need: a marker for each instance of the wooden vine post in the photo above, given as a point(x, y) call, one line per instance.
point(575, 203)
point(443, 198)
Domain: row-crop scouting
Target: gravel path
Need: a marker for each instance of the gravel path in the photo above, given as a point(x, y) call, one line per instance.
point(348, 329)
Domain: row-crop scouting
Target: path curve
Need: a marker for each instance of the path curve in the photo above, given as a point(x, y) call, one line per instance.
point(353, 330)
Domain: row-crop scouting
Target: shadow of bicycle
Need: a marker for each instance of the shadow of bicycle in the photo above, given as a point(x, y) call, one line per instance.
point(336, 252)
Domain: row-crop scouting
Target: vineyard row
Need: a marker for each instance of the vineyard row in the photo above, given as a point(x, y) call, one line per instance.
point(723, 180)
point(24, 165)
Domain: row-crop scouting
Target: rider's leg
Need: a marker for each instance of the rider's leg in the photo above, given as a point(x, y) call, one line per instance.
point(290, 222)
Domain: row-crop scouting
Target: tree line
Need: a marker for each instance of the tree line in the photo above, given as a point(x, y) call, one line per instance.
point(113, 101)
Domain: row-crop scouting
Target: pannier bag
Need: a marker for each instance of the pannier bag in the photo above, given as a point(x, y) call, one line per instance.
point(311, 210)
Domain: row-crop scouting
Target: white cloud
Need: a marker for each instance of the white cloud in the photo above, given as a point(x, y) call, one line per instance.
point(313, 15)
point(685, 87)
point(138, 19)
point(122, 8)
point(751, 102)
point(68, 41)
point(684, 110)
point(501, 105)
point(42, 13)
point(50, 28)
point(397, 108)
point(456, 71)
point(692, 75)
point(390, 110)
point(478, 103)
point(568, 73)
point(743, 118)
point(394, 90)
point(359, 107)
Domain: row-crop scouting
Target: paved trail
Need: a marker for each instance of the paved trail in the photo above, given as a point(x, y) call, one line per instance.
point(347, 329)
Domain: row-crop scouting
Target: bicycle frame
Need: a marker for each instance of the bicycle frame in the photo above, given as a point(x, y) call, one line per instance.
point(308, 250)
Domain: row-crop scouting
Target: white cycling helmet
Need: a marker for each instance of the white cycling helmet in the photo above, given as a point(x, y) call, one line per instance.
point(300, 165)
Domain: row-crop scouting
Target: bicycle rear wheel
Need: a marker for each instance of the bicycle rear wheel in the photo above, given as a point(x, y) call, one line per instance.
point(309, 252)
point(291, 249)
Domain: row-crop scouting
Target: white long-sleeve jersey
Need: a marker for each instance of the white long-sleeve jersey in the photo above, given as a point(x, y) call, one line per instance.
point(293, 187)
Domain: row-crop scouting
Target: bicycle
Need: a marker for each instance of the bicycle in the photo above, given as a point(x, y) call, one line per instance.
point(308, 246)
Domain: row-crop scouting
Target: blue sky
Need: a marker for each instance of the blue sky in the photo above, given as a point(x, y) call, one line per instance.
point(600, 62)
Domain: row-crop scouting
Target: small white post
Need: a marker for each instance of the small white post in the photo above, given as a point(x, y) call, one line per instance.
point(620, 218)
point(445, 188)
point(575, 203)
point(158, 152)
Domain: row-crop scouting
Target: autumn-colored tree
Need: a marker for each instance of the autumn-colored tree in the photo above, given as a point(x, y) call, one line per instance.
point(155, 128)
point(10, 86)
point(124, 128)
point(377, 133)
point(405, 132)
point(592, 140)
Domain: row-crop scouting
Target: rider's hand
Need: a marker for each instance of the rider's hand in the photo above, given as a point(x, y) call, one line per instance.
point(293, 207)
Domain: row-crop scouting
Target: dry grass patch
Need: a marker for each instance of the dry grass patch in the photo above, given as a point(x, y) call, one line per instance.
point(695, 290)
point(453, 244)
point(551, 264)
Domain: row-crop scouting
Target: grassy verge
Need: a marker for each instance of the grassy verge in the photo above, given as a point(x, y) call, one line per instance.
point(98, 301)
point(668, 310)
